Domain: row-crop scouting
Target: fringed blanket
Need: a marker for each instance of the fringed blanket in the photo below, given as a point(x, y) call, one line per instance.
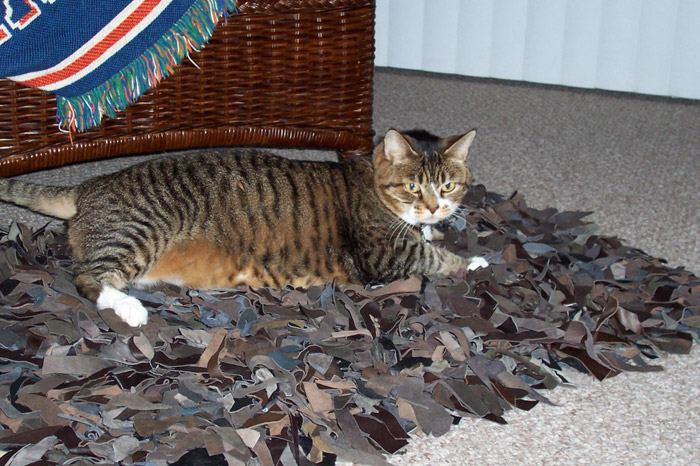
point(295, 376)
point(98, 56)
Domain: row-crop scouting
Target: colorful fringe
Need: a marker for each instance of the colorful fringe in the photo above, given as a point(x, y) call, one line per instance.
point(189, 34)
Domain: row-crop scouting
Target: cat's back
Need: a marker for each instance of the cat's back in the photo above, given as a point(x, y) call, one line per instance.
point(241, 193)
point(220, 169)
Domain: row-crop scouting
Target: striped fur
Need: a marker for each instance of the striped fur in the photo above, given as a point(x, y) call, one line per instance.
point(251, 218)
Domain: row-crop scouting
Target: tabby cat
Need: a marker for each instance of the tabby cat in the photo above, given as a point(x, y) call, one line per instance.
point(222, 220)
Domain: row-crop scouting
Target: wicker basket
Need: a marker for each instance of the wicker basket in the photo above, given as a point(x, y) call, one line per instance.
point(291, 73)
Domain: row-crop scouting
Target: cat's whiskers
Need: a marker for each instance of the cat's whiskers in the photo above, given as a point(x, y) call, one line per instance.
point(394, 227)
point(404, 231)
point(461, 211)
point(399, 228)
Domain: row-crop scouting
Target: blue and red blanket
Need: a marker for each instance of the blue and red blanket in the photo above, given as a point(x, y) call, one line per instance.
point(98, 56)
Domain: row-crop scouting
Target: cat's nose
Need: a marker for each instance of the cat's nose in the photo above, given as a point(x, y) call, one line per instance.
point(432, 209)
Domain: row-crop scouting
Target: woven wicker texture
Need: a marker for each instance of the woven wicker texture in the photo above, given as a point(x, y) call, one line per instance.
point(294, 73)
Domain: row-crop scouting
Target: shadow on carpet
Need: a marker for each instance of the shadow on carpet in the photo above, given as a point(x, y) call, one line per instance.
point(293, 376)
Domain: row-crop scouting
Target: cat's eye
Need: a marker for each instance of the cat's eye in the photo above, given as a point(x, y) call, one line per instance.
point(412, 188)
point(448, 187)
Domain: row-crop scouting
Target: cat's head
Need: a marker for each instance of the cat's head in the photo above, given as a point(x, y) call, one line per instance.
point(420, 177)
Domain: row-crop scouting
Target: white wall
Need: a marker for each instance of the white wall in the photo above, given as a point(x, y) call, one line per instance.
point(644, 46)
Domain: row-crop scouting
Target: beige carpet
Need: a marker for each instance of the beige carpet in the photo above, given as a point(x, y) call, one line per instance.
point(633, 160)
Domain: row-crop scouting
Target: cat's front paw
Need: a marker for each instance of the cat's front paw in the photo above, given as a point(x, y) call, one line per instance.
point(128, 308)
point(429, 234)
point(477, 263)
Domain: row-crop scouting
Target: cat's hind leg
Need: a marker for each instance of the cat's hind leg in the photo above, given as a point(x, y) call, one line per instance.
point(104, 289)
point(128, 308)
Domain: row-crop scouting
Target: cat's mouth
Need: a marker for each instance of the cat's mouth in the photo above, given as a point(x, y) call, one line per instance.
point(425, 219)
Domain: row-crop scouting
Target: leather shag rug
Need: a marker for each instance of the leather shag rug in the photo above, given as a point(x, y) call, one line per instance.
point(292, 376)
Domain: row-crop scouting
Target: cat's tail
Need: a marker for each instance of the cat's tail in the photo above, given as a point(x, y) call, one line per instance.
point(55, 201)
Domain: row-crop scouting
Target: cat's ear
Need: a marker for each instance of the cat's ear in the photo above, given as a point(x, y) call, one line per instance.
point(459, 149)
point(396, 147)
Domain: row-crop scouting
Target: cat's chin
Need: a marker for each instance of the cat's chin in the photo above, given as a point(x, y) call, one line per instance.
point(415, 221)
point(429, 222)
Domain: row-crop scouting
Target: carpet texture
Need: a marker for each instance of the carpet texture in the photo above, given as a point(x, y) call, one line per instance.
point(634, 161)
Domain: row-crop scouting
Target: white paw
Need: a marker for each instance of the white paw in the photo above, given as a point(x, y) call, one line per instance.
point(477, 263)
point(131, 311)
point(431, 234)
point(128, 308)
